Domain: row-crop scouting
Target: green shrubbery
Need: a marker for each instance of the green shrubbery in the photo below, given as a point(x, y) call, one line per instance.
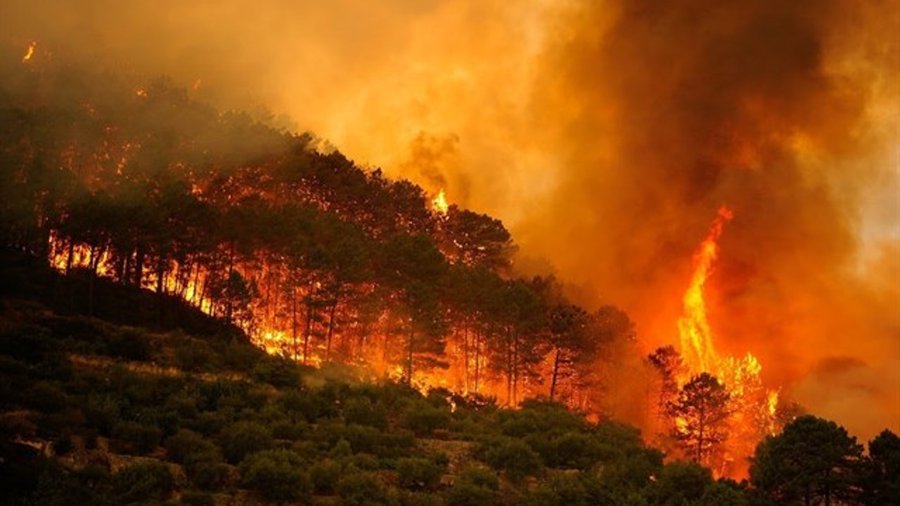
point(244, 438)
point(277, 475)
point(142, 482)
point(419, 473)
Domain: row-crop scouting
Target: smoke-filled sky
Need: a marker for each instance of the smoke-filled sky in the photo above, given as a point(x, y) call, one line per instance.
point(606, 135)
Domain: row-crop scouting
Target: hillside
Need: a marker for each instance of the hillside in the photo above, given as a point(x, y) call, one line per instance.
point(199, 307)
point(103, 410)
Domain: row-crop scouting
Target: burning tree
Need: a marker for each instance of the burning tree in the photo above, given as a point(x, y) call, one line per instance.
point(701, 413)
point(750, 413)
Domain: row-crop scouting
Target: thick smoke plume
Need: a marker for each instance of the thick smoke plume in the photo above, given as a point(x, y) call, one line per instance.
point(606, 134)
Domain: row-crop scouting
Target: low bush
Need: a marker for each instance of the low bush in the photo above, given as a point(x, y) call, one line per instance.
point(419, 473)
point(277, 475)
point(142, 482)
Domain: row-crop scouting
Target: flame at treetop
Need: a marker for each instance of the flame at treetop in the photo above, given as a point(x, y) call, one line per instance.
point(439, 203)
point(752, 405)
point(693, 327)
point(29, 53)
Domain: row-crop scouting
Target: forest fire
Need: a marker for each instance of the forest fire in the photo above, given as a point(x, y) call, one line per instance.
point(748, 408)
point(439, 203)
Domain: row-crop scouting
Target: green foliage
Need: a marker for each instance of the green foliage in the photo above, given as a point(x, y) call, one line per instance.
point(680, 483)
point(882, 478)
point(136, 437)
point(325, 475)
point(185, 444)
point(362, 411)
point(362, 489)
point(812, 459)
point(419, 473)
point(724, 493)
point(560, 489)
point(46, 396)
point(197, 498)
point(277, 475)
point(244, 438)
point(514, 457)
point(194, 355)
point(129, 344)
point(424, 418)
point(279, 372)
point(142, 482)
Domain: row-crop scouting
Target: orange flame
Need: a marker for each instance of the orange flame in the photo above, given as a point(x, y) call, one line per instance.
point(753, 405)
point(29, 53)
point(439, 203)
point(693, 327)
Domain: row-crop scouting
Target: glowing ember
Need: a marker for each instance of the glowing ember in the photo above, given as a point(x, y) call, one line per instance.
point(439, 203)
point(29, 53)
point(141, 92)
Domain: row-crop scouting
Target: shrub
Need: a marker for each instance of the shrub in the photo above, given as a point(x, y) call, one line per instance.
point(46, 397)
point(466, 494)
point(473, 487)
point(419, 474)
point(242, 356)
point(186, 443)
point(207, 471)
point(560, 489)
point(298, 406)
point(137, 437)
point(277, 475)
point(423, 418)
point(28, 343)
point(197, 498)
point(325, 475)
point(288, 430)
point(130, 344)
point(361, 488)
point(244, 438)
point(362, 411)
point(513, 457)
point(195, 355)
point(572, 450)
point(278, 372)
point(102, 412)
point(143, 482)
point(479, 477)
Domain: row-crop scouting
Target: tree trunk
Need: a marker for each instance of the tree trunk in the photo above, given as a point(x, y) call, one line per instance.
point(160, 276)
point(515, 369)
point(294, 323)
point(509, 368)
point(330, 329)
point(138, 267)
point(70, 254)
point(229, 306)
point(306, 333)
point(702, 420)
point(409, 358)
point(465, 358)
point(555, 375)
point(477, 342)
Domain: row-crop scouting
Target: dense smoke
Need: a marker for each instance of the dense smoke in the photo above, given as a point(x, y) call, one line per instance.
point(606, 134)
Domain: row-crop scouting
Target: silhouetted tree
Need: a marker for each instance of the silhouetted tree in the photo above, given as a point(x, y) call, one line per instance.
point(813, 461)
point(701, 411)
point(882, 479)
